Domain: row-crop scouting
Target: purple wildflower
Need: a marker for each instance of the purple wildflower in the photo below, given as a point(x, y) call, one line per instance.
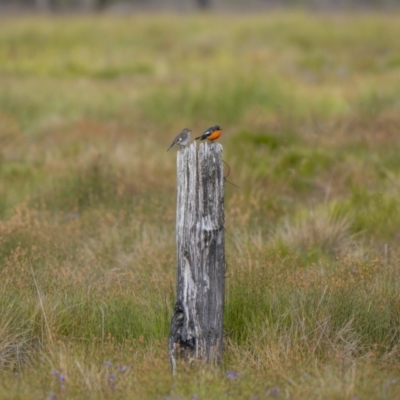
point(274, 392)
point(107, 364)
point(232, 374)
point(121, 368)
point(72, 216)
point(111, 381)
point(61, 378)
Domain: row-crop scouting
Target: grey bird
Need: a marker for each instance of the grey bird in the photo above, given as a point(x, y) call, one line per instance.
point(182, 139)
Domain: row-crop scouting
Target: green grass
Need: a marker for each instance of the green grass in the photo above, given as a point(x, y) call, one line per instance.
point(310, 110)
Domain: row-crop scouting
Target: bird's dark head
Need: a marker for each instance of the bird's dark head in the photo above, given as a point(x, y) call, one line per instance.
point(217, 128)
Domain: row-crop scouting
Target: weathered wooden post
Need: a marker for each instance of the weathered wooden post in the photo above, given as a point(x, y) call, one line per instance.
point(197, 323)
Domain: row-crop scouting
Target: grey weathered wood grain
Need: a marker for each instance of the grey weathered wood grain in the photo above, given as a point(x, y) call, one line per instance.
point(197, 324)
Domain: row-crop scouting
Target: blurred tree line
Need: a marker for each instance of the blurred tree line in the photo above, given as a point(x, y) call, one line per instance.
point(54, 5)
point(98, 5)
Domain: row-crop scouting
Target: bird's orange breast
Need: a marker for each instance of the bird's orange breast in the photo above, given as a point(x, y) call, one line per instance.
point(215, 135)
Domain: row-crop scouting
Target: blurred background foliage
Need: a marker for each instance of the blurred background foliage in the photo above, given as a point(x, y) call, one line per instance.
point(126, 5)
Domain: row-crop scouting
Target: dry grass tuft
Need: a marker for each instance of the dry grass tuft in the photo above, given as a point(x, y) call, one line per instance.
point(316, 229)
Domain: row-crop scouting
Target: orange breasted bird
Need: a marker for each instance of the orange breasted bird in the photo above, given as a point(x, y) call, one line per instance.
point(182, 139)
point(212, 133)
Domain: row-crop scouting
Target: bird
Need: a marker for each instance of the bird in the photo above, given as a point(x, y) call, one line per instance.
point(212, 133)
point(182, 139)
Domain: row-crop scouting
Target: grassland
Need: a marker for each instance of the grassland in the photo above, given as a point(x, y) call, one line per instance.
point(310, 108)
